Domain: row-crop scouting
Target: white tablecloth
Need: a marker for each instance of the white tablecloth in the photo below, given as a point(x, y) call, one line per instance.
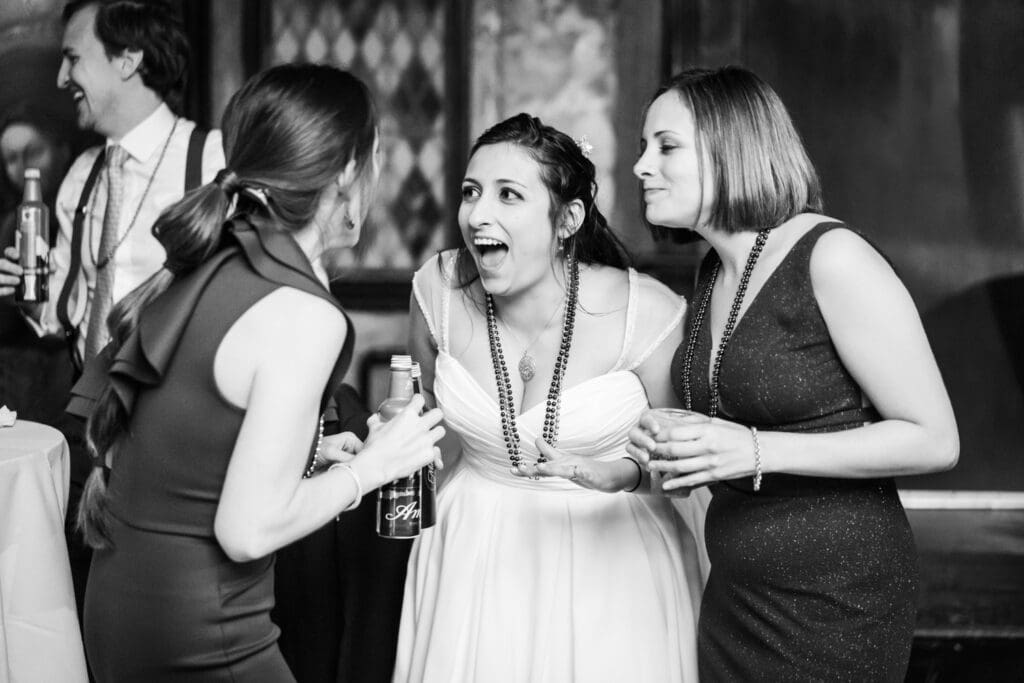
point(39, 635)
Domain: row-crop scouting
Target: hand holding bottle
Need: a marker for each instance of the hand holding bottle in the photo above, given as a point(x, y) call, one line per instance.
point(400, 446)
point(10, 272)
point(10, 280)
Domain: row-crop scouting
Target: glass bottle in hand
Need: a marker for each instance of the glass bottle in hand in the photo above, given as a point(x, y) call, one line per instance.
point(428, 475)
point(33, 238)
point(398, 502)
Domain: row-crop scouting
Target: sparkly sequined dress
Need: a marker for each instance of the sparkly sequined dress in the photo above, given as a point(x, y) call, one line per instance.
point(811, 578)
point(543, 581)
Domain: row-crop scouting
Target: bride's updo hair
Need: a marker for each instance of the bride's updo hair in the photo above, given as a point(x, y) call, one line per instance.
point(568, 175)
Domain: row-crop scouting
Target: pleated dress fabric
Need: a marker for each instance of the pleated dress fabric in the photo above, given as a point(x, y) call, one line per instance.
point(525, 580)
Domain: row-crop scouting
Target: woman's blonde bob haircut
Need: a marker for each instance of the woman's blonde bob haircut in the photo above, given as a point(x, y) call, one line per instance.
point(761, 172)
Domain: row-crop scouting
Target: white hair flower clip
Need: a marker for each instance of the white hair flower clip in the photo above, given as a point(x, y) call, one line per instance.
point(584, 144)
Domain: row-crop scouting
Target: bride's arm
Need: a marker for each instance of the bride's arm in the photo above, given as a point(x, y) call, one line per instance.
point(424, 351)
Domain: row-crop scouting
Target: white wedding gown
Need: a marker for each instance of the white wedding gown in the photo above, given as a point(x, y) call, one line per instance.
point(532, 581)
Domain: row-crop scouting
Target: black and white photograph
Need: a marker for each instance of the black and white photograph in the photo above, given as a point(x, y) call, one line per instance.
point(511, 341)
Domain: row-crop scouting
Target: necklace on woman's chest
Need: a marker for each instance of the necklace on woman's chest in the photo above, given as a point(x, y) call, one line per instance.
point(527, 363)
point(730, 325)
point(506, 399)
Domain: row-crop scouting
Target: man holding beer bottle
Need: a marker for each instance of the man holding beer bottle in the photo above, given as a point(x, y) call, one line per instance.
point(35, 374)
point(124, 64)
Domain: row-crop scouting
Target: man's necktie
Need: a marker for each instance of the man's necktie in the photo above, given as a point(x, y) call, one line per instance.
point(103, 292)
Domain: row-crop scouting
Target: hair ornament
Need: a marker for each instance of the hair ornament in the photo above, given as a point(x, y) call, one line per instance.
point(584, 144)
point(226, 180)
point(259, 194)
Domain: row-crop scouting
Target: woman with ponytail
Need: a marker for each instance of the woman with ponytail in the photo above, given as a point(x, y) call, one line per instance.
point(208, 433)
point(551, 559)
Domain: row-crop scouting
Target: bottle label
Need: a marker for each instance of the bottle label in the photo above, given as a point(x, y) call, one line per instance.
point(403, 512)
point(34, 255)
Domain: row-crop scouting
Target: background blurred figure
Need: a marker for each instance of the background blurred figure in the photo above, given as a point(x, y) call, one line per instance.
point(35, 373)
point(124, 65)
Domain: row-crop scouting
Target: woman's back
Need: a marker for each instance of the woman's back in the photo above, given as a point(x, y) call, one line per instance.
point(166, 490)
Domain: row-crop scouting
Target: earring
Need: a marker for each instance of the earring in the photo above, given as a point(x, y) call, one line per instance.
point(348, 222)
point(561, 245)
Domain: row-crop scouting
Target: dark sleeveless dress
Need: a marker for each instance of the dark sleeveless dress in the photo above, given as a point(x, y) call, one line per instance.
point(165, 603)
point(812, 579)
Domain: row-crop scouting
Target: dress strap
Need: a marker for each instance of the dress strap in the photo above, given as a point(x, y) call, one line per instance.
point(673, 323)
point(446, 298)
point(647, 321)
point(431, 287)
point(627, 337)
point(425, 309)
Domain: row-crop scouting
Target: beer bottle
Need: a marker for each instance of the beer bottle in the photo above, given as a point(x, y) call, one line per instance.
point(428, 475)
point(33, 242)
point(398, 502)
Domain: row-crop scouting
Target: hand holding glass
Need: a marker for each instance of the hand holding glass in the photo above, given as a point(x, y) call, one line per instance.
point(667, 419)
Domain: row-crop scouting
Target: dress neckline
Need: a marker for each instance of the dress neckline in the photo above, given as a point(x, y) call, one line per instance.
point(779, 268)
point(539, 404)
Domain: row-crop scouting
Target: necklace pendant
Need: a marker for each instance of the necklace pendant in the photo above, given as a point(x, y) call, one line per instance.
point(527, 367)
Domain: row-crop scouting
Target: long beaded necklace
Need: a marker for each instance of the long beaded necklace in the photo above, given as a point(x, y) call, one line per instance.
point(730, 324)
point(101, 263)
point(506, 400)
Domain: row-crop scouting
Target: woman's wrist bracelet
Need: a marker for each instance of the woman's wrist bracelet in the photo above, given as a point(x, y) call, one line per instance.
point(639, 473)
point(355, 479)
point(757, 459)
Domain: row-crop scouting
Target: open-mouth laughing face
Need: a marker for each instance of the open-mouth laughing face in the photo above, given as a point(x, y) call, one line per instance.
point(505, 219)
point(85, 70)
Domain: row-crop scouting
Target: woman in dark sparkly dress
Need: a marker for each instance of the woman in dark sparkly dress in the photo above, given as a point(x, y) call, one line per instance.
point(808, 353)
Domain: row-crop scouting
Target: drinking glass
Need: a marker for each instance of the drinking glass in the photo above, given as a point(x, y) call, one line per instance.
point(667, 419)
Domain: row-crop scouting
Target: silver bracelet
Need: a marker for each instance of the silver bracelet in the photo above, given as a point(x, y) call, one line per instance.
point(355, 478)
point(757, 459)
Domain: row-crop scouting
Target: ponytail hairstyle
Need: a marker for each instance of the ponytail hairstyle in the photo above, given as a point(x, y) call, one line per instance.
point(568, 175)
point(289, 133)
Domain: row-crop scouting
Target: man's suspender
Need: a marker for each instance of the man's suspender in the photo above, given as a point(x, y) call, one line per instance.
point(193, 179)
point(194, 159)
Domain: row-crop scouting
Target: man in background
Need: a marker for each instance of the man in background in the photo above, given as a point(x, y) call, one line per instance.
point(124, 64)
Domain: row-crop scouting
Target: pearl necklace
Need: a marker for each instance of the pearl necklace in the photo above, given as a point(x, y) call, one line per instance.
point(314, 462)
point(506, 400)
point(730, 325)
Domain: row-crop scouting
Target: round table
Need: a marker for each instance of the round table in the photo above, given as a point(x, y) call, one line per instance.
point(39, 635)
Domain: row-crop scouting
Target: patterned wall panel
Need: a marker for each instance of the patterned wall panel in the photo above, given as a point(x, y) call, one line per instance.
point(555, 59)
point(398, 48)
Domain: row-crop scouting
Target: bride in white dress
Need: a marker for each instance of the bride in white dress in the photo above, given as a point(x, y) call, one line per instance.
point(548, 562)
